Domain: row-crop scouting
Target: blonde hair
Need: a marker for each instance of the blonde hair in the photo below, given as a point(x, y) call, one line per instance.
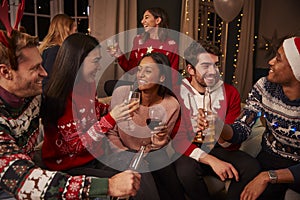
point(60, 27)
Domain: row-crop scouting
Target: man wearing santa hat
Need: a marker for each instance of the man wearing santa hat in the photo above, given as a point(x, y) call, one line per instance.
point(276, 98)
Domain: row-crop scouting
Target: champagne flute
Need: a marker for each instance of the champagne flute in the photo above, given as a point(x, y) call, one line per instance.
point(210, 116)
point(134, 165)
point(136, 160)
point(133, 96)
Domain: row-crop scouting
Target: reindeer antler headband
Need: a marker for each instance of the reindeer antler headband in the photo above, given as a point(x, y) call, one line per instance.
point(4, 19)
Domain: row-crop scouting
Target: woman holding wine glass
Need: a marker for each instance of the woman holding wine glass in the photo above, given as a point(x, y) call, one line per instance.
point(75, 123)
point(155, 36)
point(153, 84)
point(156, 103)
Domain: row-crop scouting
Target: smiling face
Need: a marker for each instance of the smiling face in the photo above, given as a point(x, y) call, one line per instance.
point(280, 70)
point(148, 75)
point(206, 71)
point(91, 65)
point(149, 21)
point(27, 80)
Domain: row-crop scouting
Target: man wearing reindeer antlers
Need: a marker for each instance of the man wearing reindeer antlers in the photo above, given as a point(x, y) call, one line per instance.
point(21, 75)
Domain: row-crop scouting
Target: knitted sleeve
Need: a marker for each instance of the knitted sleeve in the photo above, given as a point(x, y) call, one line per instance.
point(19, 175)
point(251, 112)
point(119, 95)
point(79, 132)
point(128, 64)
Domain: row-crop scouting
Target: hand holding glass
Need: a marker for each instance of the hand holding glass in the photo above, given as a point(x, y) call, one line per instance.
point(134, 165)
point(111, 45)
point(135, 96)
point(132, 97)
point(156, 117)
point(198, 139)
point(210, 132)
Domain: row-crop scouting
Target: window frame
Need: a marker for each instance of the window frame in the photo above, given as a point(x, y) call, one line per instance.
point(56, 7)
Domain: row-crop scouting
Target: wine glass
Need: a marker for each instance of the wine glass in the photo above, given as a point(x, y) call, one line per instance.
point(111, 44)
point(156, 117)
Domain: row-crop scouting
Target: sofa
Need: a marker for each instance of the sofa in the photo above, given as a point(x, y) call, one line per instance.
point(252, 146)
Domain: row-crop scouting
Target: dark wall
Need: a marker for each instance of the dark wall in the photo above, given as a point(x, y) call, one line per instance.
point(274, 19)
point(277, 19)
point(172, 7)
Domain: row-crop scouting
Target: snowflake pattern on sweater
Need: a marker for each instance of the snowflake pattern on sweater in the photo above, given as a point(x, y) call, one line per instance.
point(282, 134)
point(19, 130)
point(77, 137)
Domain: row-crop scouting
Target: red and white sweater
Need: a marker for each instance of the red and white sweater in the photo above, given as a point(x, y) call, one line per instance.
point(77, 137)
point(225, 101)
point(168, 47)
point(19, 130)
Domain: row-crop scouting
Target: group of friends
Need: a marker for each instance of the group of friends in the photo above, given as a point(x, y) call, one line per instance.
point(86, 147)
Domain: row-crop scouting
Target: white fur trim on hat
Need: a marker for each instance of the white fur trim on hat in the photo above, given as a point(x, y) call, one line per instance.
point(291, 48)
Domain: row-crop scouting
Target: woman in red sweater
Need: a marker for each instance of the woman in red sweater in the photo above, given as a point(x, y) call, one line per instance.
point(75, 122)
point(71, 110)
point(155, 38)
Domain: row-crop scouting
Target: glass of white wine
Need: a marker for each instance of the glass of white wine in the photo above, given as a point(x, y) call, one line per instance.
point(133, 96)
point(111, 45)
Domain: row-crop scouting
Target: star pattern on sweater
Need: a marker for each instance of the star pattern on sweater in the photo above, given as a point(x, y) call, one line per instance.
point(149, 49)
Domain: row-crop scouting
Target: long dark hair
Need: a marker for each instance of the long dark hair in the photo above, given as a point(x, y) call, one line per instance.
point(68, 61)
point(163, 26)
point(164, 66)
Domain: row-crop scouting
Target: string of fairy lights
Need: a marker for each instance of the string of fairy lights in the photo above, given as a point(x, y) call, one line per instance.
point(235, 55)
point(211, 27)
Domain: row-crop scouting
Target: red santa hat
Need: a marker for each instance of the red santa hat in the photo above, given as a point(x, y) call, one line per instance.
point(291, 48)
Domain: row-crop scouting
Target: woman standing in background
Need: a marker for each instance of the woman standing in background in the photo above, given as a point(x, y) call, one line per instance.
point(155, 38)
point(60, 27)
